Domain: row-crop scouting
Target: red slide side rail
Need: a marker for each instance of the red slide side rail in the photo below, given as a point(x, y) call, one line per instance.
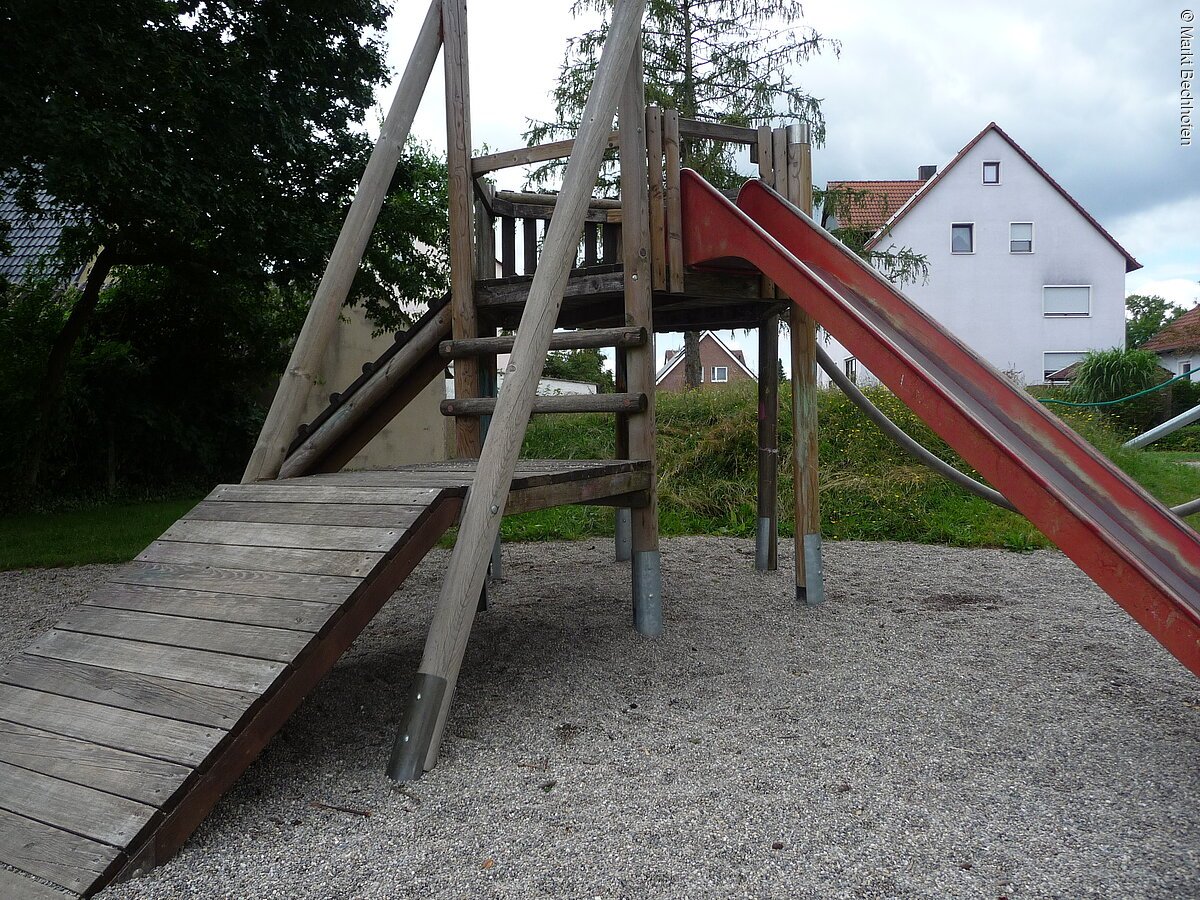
point(1145, 557)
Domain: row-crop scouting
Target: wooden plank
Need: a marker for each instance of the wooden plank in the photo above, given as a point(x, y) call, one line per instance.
point(254, 641)
point(283, 585)
point(558, 403)
point(767, 542)
point(580, 339)
point(308, 354)
point(237, 673)
point(563, 493)
point(360, 514)
point(529, 244)
point(298, 615)
point(266, 720)
point(129, 775)
point(713, 131)
point(674, 207)
point(16, 886)
point(591, 235)
point(524, 156)
point(66, 859)
point(297, 491)
point(300, 537)
point(657, 198)
point(355, 563)
point(168, 698)
point(73, 807)
point(508, 246)
point(610, 242)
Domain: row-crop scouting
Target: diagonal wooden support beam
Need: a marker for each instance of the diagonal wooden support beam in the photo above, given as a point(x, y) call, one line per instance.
point(424, 720)
point(302, 371)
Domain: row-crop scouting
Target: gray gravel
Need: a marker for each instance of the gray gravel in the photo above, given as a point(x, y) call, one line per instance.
point(953, 723)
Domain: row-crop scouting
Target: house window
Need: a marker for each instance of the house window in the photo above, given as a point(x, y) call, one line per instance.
point(1020, 237)
point(962, 237)
point(720, 373)
point(1056, 361)
point(991, 173)
point(851, 368)
point(1065, 300)
point(1185, 367)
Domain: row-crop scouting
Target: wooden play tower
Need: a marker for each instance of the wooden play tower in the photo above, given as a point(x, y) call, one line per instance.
point(611, 271)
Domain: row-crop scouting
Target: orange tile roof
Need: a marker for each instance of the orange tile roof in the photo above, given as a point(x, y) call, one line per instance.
point(880, 204)
point(1182, 334)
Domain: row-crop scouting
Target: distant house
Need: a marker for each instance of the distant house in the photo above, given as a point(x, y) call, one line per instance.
point(1178, 343)
point(719, 365)
point(30, 242)
point(1018, 270)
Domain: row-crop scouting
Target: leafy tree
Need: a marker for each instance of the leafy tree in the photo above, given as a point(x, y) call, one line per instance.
point(1145, 316)
point(900, 265)
point(210, 139)
point(726, 61)
point(579, 365)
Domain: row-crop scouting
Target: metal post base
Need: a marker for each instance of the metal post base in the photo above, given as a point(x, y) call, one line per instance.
point(813, 592)
point(762, 545)
point(624, 534)
point(417, 727)
point(647, 593)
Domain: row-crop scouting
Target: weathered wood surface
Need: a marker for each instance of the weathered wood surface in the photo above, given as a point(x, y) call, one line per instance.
point(560, 403)
point(657, 198)
point(123, 725)
point(671, 148)
point(68, 860)
point(713, 131)
point(523, 156)
point(583, 339)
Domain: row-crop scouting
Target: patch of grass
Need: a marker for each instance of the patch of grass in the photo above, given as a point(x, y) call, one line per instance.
point(100, 533)
point(1175, 456)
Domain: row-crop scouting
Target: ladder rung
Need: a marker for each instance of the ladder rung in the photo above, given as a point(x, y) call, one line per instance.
point(582, 339)
point(559, 403)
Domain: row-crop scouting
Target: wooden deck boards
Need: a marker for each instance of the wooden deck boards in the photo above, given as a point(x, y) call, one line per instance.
point(123, 725)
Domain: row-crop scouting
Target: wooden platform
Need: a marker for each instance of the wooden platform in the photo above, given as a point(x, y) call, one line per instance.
point(594, 298)
point(122, 726)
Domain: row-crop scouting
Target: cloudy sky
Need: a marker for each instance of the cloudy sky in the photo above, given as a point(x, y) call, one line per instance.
point(1090, 90)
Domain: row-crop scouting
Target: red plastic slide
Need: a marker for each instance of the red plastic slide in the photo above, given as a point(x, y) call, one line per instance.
point(1145, 557)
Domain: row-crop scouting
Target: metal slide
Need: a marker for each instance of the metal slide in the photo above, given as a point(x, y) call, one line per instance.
point(1142, 555)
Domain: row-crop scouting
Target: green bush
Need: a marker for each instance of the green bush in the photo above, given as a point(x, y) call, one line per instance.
point(1105, 375)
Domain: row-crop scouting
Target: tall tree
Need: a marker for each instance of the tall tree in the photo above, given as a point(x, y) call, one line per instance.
point(726, 61)
point(212, 138)
point(1145, 315)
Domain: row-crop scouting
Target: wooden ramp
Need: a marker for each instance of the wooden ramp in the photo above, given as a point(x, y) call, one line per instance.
point(122, 726)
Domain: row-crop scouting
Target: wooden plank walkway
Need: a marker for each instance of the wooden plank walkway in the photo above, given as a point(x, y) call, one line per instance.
point(122, 726)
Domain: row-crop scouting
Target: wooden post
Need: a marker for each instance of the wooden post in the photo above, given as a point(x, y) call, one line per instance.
point(658, 211)
point(639, 310)
point(303, 369)
point(766, 544)
point(461, 196)
point(674, 210)
point(424, 722)
point(485, 267)
point(810, 582)
point(623, 525)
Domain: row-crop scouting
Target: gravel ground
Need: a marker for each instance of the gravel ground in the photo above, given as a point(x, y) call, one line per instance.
point(952, 723)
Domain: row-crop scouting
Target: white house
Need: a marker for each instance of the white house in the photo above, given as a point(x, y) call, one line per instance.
point(1178, 343)
point(1018, 270)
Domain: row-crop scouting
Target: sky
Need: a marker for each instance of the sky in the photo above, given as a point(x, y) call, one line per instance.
point(1090, 90)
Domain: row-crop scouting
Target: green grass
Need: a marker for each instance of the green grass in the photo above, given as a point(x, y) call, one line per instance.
point(1177, 456)
point(102, 533)
point(870, 490)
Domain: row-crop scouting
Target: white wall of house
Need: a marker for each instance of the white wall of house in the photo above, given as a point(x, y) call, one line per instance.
point(1180, 361)
point(993, 298)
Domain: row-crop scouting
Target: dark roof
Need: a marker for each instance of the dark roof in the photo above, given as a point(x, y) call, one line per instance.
point(880, 204)
point(29, 239)
point(1181, 334)
point(1131, 264)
